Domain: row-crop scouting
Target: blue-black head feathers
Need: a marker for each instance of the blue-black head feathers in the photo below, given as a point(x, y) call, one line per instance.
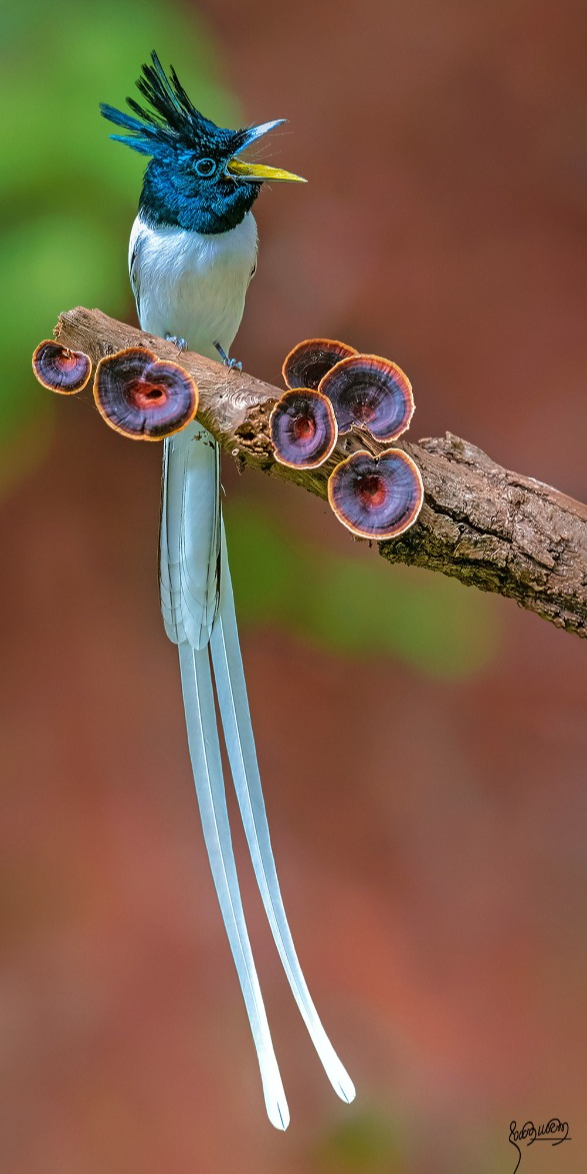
point(173, 123)
point(193, 180)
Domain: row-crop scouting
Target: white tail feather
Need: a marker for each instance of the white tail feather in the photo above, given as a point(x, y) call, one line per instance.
point(238, 733)
point(207, 768)
point(198, 607)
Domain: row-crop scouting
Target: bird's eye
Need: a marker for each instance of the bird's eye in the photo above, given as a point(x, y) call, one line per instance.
point(205, 167)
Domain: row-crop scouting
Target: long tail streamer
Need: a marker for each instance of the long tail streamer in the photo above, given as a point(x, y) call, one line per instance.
point(204, 748)
point(238, 734)
point(198, 609)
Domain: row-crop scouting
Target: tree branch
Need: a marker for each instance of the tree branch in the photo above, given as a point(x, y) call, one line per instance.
point(490, 528)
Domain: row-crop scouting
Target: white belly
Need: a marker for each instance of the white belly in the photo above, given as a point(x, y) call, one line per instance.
point(192, 285)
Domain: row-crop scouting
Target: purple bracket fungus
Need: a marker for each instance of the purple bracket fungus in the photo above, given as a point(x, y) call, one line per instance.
point(303, 428)
point(371, 392)
point(60, 369)
point(142, 397)
point(376, 497)
point(309, 361)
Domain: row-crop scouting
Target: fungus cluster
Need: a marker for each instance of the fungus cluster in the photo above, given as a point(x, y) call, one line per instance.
point(375, 497)
point(303, 428)
point(331, 389)
point(370, 393)
point(60, 369)
point(311, 360)
point(143, 397)
point(137, 394)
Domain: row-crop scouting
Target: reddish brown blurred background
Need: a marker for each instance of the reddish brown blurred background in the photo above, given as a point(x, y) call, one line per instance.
point(429, 827)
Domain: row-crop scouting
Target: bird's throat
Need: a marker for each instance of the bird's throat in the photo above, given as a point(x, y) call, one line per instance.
point(174, 203)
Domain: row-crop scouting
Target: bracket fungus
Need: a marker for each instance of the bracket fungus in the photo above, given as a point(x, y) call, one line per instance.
point(372, 393)
point(309, 361)
point(142, 397)
point(61, 369)
point(303, 428)
point(376, 497)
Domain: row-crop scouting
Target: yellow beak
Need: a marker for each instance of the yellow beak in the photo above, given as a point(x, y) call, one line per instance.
point(260, 173)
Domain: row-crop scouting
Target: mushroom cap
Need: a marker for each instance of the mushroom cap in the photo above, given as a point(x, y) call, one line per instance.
point(303, 428)
point(60, 369)
point(376, 497)
point(309, 361)
point(371, 392)
point(142, 397)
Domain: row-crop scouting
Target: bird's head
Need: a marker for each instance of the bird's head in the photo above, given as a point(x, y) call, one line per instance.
point(195, 178)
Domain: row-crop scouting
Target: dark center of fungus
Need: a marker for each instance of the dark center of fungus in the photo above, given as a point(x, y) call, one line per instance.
point(304, 428)
point(315, 371)
point(145, 395)
point(372, 491)
point(364, 410)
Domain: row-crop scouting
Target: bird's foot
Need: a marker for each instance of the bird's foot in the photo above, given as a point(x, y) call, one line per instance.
point(180, 343)
point(232, 364)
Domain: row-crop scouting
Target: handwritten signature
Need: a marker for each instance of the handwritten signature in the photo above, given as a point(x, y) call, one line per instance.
point(554, 1131)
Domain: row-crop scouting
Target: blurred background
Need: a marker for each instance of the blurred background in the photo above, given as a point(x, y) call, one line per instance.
point(428, 816)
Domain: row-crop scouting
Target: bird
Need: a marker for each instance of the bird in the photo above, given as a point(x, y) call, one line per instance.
point(192, 253)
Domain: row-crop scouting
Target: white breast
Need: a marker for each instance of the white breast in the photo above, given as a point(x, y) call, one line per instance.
point(192, 285)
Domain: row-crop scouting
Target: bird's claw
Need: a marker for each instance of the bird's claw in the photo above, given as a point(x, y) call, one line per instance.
point(232, 364)
point(180, 343)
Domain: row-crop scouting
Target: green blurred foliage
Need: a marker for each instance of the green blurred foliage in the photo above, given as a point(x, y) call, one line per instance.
point(368, 1143)
point(68, 193)
point(357, 607)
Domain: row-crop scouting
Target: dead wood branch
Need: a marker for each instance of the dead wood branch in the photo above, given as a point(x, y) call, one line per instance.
point(490, 528)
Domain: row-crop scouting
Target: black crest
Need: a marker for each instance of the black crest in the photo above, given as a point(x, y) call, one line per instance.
point(172, 122)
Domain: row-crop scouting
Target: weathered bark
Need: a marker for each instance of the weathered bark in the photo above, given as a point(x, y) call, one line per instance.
point(490, 528)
